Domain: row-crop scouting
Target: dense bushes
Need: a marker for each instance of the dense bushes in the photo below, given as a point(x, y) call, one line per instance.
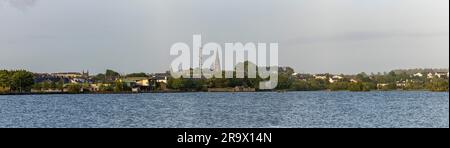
point(437, 85)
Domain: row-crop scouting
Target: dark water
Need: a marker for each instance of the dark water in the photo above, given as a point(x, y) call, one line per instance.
point(211, 110)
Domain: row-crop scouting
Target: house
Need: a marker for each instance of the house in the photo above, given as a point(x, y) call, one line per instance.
point(78, 80)
point(382, 85)
point(418, 75)
point(354, 81)
point(320, 77)
point(160, 77)
point(136, 89)
point(335, 79)
point(133, 81)
point(437, 75)
point(430, 75)
point(137, 84)
point(43, 77)
point(441, 74)
point(338, 77)
point(302, 77)
point(71, 74)
point(401, 83)
point(67, 74)
point(331, 80)
point(143, 82)
point(96, 87)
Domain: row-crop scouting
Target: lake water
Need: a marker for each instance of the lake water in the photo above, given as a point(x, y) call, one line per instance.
point(229, 110)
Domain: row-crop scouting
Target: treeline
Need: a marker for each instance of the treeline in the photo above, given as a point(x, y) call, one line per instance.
point(16, 81)
point(287, 80)
point(418, 70)
point(107, 82)
point(60, 86)
point(203, 84)
point(189, 84)
point(365, 82)
point(22, 81)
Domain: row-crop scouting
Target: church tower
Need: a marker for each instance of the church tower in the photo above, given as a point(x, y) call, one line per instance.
point(217, 64)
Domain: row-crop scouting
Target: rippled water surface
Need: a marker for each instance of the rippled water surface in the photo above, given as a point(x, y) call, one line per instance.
point(213, 110)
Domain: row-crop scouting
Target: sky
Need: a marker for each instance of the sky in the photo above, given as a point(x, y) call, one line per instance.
point(314, 36)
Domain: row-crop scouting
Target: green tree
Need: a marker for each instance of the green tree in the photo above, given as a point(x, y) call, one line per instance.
point(106, 88)
point(363, 77)
point(355, 87)
point(22, 81)
point(176, 83)
point(317, 84)
point(121, 87)
point(285, 81)
point(45, 85)
point(415, 85)
point(437, 84)
point(361, 86)
point(5, 80)
point(111, 75)
point(60, 85)
point(222, 83)
point(368, 86)
point(74, 88)
point(231, 82)
point(200, 85)
point(338, 86)
point(137, 75)
point(53, 85)
point(37, 86)
point(100, 78)
point(300, 86)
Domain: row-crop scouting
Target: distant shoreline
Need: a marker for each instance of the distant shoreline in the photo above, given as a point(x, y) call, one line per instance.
point(178, 92)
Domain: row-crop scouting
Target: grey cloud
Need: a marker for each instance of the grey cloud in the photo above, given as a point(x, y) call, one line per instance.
point(20, 4)
point(360, 36)
point(336, 34)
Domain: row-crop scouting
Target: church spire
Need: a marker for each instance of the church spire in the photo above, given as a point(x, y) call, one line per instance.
point(217, 64)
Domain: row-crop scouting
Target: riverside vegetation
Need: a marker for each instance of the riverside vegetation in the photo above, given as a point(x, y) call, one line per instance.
point(21, 81)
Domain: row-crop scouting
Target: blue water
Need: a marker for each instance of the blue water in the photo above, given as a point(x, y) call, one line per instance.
point(229, 110)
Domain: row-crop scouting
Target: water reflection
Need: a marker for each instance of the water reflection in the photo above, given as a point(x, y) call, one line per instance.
point(229, 110)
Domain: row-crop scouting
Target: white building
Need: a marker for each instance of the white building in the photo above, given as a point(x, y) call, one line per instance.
point(338, 77)
point(353, 81)
point(160, 77)
point(418, 75)
point(441, 74)
point(335, 79)
point(320, 77)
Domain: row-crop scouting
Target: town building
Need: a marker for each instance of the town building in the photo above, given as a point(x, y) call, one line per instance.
point(320, 77)
point(418, 75)
point(160, 77)
point(71, 74)
point(382, 85)
point(441, 74)
point(137, 83)
point(354, 81)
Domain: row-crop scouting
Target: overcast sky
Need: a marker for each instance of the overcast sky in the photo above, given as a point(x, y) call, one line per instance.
point(315, 36)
